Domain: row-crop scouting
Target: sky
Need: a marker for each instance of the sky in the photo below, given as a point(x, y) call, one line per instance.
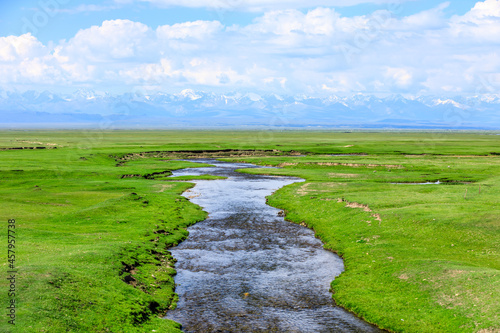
point(288, 47)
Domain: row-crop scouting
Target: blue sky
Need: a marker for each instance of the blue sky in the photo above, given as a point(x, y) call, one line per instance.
point(314, 47)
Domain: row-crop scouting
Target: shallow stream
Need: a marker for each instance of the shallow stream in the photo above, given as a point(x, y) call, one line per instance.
point(245, 269)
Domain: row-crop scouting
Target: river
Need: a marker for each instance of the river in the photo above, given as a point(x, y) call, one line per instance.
point(245, 269)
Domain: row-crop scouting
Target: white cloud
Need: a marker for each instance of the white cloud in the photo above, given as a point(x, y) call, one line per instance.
point(401, 77)
point(485, 9)
point(196, 30)
point(24, 59)
point(284, 51)
point(209, 72)
point(429, 19)
point(480, 24)
point(25, 46)
point(320, 21)
point(150, 73)
point(116, 39)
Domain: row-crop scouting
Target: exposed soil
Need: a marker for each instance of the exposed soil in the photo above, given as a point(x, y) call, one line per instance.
point(147, 176)
point(362, 206)
point(163, 187)
point(38, 142)
point(21, 148)
point(354, 165)
point(343, 175)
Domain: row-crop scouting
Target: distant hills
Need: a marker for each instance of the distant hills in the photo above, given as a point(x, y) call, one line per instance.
point(195, 109)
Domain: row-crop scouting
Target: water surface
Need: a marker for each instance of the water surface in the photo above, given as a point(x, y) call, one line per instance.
point(245, 269)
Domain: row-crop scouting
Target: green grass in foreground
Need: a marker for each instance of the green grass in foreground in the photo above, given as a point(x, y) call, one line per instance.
point(93, 230)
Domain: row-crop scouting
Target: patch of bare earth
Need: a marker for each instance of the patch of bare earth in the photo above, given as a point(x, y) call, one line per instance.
point(163, 187)
point(358, 205)
point(343, 175)
point(454, 272)
point(303, 189)
point(48, 203)
point(324, 188)
point(353, 165)
point(193, 195)
point(362, 206)
point(38, 143)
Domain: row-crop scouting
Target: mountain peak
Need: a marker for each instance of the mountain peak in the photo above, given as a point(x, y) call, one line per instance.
point(190, 94)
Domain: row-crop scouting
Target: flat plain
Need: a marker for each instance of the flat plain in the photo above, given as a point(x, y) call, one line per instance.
point(414, 215)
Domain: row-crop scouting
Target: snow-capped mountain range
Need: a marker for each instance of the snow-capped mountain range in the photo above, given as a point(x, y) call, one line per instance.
point(201, 109)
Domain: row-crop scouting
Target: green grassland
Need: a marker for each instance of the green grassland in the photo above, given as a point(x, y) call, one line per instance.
point(95, 218)
point(419, 258)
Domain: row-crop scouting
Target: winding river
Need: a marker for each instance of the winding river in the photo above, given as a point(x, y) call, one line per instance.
point(245, 269)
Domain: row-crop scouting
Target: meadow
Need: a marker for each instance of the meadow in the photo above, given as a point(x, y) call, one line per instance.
point(95, 217)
